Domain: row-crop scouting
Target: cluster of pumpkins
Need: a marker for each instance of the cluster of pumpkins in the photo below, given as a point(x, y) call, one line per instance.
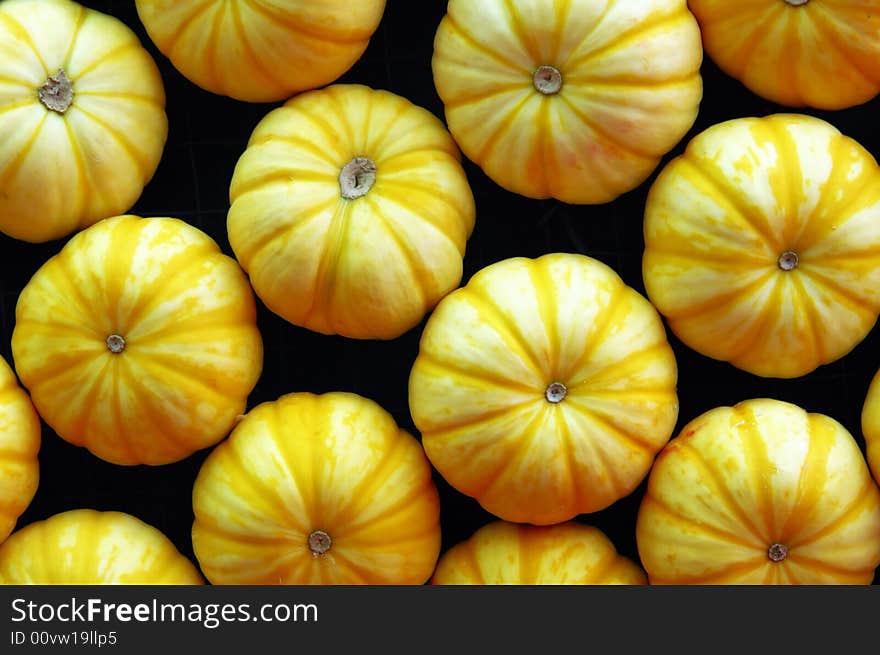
point(544, 388)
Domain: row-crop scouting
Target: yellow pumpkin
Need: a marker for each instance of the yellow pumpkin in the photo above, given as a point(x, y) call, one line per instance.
point(19, 446)
point(138, 340)
point(760, 493)
point(544, 388)
point(574, 100)
point(350, 211)
point(317, 489)
point(509, 554)
point(819, 53)
point(87, 547)
point(762, 244)
point(261, 50)
point(871, 426)
point(82, 118)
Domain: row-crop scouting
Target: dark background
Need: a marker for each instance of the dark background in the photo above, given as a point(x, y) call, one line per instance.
point(207, 135)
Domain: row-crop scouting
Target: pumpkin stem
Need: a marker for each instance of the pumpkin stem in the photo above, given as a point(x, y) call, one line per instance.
point(556, 393)
point(789, 260)
point(319, 542)
point(547, 80)
point(357, 178)
point(57, 92)
point(777, 552)
point(115, 344)
point(797, 3)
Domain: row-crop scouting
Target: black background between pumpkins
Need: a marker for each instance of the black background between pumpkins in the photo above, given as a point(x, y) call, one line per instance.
point(208, 133)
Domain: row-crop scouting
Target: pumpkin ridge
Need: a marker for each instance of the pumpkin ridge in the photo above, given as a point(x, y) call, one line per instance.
point(591, 383)
point(822, 17)
point(749, 46)
point(867, 492)
point(170, 42)
point(600, 418)
point(249, 51)
point(710, 531)
point(744, 422)
point(524, 37)
point(19, 30)
point(490, 377)
point(453, 23)
point(324, 34)
point(121, 49)
point(605, 135)
point(81, 15)
point(566, 446)
point(813, 319)
point(84, 172)
point(599, 465)
point(141, 161)
point(445, 432)
point(12, 168)
point(542, 281)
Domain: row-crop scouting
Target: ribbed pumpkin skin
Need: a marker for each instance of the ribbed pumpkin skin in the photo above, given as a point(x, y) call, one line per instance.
point(486, 359)
point(62, 172)
point(739, 480)
point(261, 50)
point(192, 349)
point(19, 446)
point(335, 463)
point(719, 218)
point(823, 54)
point(631, 89)
point(86, 547)
point(366, 268)
point(510, 554)
point(871, 426)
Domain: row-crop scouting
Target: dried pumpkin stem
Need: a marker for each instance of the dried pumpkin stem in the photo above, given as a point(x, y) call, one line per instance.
point(789, 260)
point(357, 178)
point(547, 80)
point(777, 552)
point(556, 393)
point(797, 3)
point(319, 542)
point(57, 92)
point(115, 344)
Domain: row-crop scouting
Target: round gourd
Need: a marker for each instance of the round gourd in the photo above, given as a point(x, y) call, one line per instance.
point(261, 50)
point(871, 426)
point(817, 53)
point(350, 211)
point(573, 100)
point(19, 446)
point(544, 388)
point(315, 489)
point(760, 493)
point(86, 547)
point(508, 554)
point(82, 118)
point(138, 340)
point(762, 244)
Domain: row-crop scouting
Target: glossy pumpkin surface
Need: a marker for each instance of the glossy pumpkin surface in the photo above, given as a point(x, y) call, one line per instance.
point(544, 388)
point(350, 211)
point(67, 161)
point(138, 340)
point(574, 100)
point(261, 50)
point(760, 493)
point(19, 446)
point(871, 426)
point(511, 554)
point(86, 547)
point(817, 53)
point(762, 244)
point(317, 490)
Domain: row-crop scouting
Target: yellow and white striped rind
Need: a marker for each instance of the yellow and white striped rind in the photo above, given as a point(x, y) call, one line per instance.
point(631, 90)
point(87, 547)
point(335, 462)
point(871, 426)
point(719, 217)
point(486, 358)
point(511, 554)
point(192, 352)
point(738, 480)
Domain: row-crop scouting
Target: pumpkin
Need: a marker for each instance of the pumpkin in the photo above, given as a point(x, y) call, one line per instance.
point(82, 118)
point(821, 54)
point(544, 388)
point(762, 244)
point(509, 554)
point(317, 489)
point(577, 100)
point(760, 493)
point(871, 426)
point(350, 211)
point(138, 340)
point(19, 445)
point(87, 547)
point(261, 50)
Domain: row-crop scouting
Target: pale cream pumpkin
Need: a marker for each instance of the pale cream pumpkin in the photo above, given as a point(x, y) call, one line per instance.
point(82, 118)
